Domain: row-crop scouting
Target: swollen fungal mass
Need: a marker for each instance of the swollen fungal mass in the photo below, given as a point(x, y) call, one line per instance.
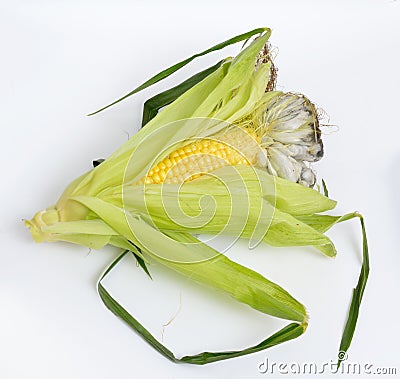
point(292, 138)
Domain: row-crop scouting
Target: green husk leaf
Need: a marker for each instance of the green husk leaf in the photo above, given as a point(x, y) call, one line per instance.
point(236, 82)
point(299, 200)
point(287, 230)
point(81, 227)
point(245, 285)
point(155, 103)
point(91, 241)
point(322, 223)
point(185, 208)
point(167, 72)
point(287, 333)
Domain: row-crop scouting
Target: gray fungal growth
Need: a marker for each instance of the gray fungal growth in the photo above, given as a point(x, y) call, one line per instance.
point(293, 138)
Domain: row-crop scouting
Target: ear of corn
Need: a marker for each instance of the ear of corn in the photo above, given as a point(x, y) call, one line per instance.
point(224, 158)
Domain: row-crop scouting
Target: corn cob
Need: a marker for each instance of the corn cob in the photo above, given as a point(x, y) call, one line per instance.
point(238, 146)
point(281, 138)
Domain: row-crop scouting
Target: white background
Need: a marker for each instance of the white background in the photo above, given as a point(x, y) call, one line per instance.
point(62, 59)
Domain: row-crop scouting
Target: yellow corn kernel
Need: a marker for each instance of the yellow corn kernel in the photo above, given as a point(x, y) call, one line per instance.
point(197, 158)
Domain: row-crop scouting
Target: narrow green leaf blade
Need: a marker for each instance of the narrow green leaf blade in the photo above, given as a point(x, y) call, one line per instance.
point(287, 333)
point(113, 264)
point(358, 293)
point(121, 312)
point(140, 260)
point(167, 72)
point(326, 193)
